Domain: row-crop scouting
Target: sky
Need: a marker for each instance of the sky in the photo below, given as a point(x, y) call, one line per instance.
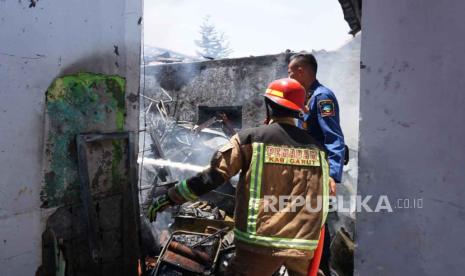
point(254, 27)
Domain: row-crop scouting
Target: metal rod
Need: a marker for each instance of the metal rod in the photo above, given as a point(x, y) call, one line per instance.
point(210, 237)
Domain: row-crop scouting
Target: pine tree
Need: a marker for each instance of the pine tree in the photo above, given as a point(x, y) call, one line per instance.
point(212, 44)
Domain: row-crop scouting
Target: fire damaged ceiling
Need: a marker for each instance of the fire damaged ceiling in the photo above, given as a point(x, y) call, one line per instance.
point(352, 14)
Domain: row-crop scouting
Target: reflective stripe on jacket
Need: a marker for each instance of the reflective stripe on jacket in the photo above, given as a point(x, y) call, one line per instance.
point(279, 163)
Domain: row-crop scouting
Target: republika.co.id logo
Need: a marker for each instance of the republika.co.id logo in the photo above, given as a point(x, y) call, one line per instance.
point(341, 204)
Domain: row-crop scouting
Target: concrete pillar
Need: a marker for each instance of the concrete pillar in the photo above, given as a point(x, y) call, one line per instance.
point(412, 133)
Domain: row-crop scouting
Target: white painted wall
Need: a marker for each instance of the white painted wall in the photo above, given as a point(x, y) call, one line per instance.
point(37, 45)
point(412, 141)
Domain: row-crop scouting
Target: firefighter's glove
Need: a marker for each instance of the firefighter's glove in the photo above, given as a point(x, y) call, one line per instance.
point(159, 204)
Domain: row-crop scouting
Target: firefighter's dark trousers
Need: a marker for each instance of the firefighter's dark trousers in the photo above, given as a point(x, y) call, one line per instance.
point(252, 264)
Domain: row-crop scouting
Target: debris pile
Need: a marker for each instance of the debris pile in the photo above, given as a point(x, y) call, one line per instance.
point(201, 209)
point(188, 253)
point(201, 235)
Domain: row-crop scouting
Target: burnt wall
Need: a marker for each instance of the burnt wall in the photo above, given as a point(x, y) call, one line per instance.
point(243, 81)
point(216, 83)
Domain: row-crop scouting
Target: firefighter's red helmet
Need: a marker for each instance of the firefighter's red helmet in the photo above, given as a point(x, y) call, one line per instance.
point(287, 93)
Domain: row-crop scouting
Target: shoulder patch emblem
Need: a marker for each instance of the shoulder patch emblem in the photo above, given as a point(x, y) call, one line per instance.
point(326, 108)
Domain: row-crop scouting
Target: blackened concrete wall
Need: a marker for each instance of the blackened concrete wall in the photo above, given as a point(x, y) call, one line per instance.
point(216, 83)
point(412, 137)
point(243, 81)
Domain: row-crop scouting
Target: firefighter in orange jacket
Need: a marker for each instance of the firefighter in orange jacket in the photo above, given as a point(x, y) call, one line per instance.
point(282, 193)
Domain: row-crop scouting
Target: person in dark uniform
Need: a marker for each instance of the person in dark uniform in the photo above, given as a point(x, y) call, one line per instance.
point(322, 123)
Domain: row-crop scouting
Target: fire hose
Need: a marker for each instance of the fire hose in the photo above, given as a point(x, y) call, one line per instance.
point(315, 263)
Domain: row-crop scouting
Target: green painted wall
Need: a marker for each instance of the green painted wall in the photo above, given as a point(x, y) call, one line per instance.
point(79, 103)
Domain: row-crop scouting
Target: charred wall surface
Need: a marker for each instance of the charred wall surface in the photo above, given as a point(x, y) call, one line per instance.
point(232, 82)
point(242, 82)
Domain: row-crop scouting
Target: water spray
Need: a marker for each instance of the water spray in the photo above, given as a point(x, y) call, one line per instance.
point(169, 163)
